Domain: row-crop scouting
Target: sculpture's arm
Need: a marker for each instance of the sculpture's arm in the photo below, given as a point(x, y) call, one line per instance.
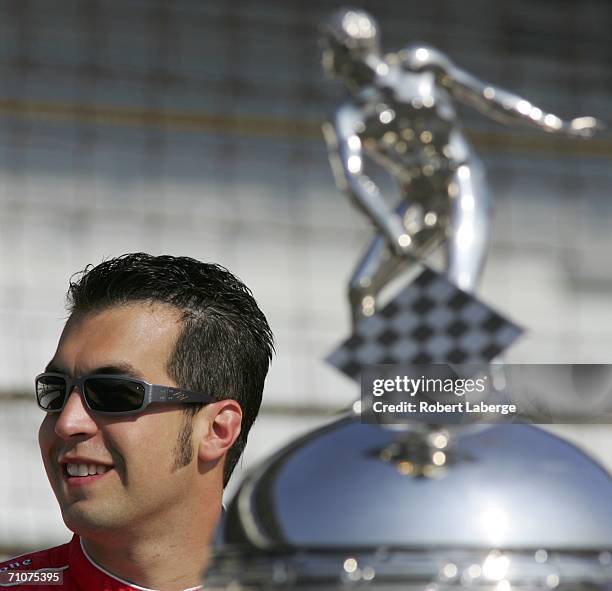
point(346, 158)
point(494, 102)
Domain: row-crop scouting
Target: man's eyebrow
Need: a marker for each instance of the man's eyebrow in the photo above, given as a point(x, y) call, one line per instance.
point(52, 368)
point(124, 369)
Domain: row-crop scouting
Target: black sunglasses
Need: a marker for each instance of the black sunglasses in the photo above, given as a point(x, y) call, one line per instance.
point(109, 394)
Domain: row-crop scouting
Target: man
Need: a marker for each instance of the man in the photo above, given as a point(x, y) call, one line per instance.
point(156, 381)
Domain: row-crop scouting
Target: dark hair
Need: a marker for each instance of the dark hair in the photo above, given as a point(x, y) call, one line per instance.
point(226, 344)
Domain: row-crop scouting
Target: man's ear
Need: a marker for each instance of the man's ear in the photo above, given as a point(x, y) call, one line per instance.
point(223, 425)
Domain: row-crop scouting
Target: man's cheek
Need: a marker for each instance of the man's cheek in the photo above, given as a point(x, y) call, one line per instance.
point(46, 438)
point(45, 434)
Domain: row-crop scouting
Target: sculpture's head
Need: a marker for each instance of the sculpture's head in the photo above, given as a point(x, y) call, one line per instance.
point(350, 46)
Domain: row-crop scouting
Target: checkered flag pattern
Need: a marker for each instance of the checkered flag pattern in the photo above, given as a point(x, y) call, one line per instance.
point(430, 321)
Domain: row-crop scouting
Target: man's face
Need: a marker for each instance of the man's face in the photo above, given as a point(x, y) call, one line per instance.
point(143, 480)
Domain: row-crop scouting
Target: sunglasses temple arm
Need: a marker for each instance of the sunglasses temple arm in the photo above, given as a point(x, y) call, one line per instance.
point(167, 394)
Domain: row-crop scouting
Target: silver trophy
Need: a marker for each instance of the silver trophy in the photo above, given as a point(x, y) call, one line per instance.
point(418, 506)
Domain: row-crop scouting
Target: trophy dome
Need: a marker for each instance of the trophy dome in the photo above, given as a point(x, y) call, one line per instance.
point(419, 499)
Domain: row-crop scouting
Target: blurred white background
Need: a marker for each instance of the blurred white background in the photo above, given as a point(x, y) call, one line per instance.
point(192, 128)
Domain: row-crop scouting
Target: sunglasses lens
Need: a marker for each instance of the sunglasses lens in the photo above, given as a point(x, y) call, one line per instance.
point(50, 391)
point(113, 394)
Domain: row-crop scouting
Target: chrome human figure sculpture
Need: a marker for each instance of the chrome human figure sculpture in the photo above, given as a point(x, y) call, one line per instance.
point(401, 114)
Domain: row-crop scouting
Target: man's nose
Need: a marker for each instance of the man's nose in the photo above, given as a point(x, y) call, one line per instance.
point(74, 418)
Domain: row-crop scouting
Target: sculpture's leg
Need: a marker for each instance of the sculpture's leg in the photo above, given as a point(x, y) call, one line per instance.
point(376, 268)
point(467, 235)
point(380, 265)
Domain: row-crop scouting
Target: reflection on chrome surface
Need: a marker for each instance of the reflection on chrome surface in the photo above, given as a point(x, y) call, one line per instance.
point(510, 507)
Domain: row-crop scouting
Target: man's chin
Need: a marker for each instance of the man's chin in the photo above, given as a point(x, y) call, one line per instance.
point(85, 516)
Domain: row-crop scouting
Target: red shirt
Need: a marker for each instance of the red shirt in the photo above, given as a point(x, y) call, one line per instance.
point(79, 571)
